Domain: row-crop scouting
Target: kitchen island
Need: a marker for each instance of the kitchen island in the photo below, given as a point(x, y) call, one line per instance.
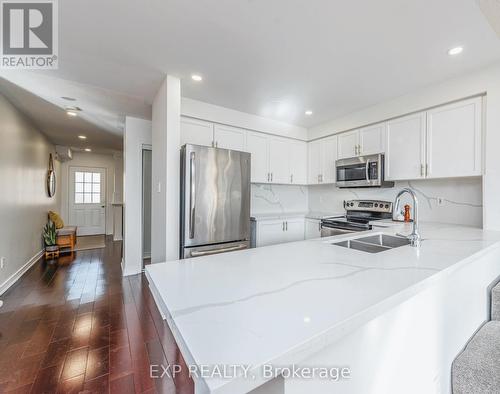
point(386, 322)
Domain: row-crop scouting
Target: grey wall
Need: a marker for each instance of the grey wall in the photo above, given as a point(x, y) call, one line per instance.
point(24, 156)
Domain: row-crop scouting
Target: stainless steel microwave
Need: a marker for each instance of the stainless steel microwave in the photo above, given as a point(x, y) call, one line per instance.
point(361, 171)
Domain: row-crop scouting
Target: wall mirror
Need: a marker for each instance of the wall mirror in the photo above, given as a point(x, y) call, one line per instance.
point(51, 178)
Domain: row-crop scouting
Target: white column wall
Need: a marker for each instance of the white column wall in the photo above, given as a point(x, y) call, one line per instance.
point(166, 169)
point(137, 133)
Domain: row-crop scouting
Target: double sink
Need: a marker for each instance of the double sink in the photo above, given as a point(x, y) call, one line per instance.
point(374, 243)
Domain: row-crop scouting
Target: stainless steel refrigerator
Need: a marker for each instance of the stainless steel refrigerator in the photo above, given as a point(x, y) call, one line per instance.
point(215, 201)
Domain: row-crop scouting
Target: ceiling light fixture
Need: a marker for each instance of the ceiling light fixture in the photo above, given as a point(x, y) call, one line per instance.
point(196, 77)
point(455, 51)
point(72, 111)
point(88, 150)
point(82, 137)
point(309, 112)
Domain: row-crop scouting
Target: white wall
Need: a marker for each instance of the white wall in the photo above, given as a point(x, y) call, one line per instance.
point(278, 199)
point(166, 126)
point(24, 160)
point(137, 134)
point(217, 114)
point(88, 159)
point(483, 81)
point(462, 199)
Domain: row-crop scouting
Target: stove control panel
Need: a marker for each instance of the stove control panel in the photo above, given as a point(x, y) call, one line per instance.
point(368, 205)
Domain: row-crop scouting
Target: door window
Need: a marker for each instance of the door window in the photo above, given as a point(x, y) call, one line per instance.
point(87, 187)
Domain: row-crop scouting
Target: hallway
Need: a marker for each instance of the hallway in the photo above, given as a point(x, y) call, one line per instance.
point(79, 326)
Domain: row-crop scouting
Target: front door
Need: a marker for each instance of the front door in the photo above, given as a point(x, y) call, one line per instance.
point(87, 200)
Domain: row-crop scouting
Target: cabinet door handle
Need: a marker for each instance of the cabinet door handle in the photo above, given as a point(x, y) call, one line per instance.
point(319, 226)
point(271, 176)
point(291, 178)
point(283, 226)
point(268, 177)
point(421, 170)
point(426, 169)
point(286, 226)
point(216, 144)
point(318, 178)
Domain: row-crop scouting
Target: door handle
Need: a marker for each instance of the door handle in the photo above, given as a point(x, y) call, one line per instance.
point(367, 170)
point(216, 251)
point(192, 194)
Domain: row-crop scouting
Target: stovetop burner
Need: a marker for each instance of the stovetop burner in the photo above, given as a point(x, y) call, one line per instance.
point(359, 213)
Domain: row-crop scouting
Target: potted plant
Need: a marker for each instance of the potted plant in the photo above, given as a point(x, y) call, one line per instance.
point(49, 237)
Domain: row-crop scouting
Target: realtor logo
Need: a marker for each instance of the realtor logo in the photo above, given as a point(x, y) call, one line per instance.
point(29, 34)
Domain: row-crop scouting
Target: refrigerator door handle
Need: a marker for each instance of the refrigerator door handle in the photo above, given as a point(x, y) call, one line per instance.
point(192, 194)
point(216, 251)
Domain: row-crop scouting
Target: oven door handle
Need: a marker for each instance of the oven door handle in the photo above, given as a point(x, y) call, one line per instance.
point(367, 170)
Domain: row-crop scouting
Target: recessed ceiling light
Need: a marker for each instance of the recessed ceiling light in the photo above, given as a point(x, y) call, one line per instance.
point(309, 112)
point(455, 51)
point(196, 77)
point(68, 98)
point(71, 113)
point(88, 150)
point(82, 137)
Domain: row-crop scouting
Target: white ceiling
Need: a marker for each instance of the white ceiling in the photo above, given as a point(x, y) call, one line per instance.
point(271, 58)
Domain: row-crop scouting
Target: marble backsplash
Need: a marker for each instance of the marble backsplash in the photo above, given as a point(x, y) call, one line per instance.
point(278, 198)
point(461, 199)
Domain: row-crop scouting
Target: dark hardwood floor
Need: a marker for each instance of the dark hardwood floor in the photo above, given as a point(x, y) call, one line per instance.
point(76, 325)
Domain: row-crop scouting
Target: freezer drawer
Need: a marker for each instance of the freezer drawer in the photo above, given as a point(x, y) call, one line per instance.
point(207, 250)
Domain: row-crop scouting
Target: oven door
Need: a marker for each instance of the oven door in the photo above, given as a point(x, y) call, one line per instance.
point(330, 231)
point(363, 171)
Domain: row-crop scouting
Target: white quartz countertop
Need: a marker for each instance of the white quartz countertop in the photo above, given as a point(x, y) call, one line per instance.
point(280, 304)
point(283, 215)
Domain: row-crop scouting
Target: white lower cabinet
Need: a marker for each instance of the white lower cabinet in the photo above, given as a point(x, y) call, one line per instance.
point(312, 229)
point(275, 231)
point(294, 230)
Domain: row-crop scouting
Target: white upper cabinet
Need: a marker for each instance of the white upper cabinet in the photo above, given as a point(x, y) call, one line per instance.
point(279, 161)
point(372, 139)
point(228, 137)
point(257, 146)
point(198, 132)
point(297, 151)
point(322, 157)
point(348, 144)
point(314, 162)
point(454, 139)
point(328, 158)
point(405, 150)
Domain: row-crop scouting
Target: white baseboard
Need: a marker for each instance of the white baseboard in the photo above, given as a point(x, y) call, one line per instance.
point(17, 275)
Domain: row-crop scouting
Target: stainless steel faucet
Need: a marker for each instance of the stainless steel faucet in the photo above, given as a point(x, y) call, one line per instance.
point(414, 237)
